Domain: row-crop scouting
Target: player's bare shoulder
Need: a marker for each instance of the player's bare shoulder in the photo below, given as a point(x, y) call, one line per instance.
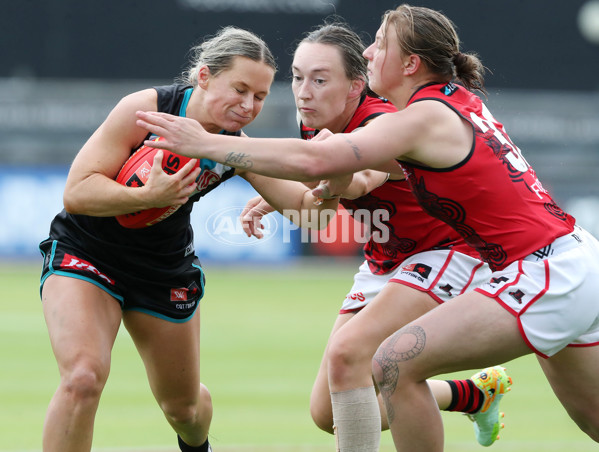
point(442, 137)
point(145, 100)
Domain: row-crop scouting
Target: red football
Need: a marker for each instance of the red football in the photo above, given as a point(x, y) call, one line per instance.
point(135, 172)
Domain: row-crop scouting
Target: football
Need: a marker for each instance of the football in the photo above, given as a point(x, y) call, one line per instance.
point(135, 173)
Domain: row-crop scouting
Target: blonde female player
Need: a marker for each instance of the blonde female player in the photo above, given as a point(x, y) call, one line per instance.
point(329, 86)
point(97, 273)
point(466, 171)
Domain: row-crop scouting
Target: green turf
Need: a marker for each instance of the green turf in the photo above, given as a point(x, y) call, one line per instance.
point(262, 338)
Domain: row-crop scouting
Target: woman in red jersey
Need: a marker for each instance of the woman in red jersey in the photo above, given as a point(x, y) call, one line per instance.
point(330, 91)
point(465, 170)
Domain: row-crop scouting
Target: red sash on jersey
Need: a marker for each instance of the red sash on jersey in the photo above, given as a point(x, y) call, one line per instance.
point(493, 198)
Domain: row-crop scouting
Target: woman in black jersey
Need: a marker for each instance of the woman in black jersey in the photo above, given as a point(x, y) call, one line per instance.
point(97, 273)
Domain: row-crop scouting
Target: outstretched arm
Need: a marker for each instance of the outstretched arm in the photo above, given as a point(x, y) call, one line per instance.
point(284, 158)
point(427, 132)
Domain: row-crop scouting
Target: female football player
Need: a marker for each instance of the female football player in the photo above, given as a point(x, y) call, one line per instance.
point(97, 273)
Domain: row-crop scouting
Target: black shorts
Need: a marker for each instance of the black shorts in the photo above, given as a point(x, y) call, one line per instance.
point(174, 298)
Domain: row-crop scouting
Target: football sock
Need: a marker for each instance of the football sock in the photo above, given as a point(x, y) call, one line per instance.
point(465, 396)
point(357, 420)
point(187, 448)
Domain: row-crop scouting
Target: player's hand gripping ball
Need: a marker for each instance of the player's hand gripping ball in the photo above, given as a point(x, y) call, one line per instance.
point(135, 173)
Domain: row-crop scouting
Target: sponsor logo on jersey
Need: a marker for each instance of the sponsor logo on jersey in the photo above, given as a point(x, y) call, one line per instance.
point(544, 252)
point(179, 294)
point(185, 298)
point(76, 263)
point(449, 89)
point(140, 177)
point(420, 269)
point(189, 249)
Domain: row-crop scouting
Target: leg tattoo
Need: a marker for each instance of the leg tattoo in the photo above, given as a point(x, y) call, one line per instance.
point(390, 353)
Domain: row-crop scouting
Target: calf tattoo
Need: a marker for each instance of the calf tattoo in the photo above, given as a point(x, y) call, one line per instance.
point(391, 353)
point(238, 160)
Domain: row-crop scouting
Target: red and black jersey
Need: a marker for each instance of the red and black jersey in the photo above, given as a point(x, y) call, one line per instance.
point(406, 229)
point(493, 198)
point(409, 230)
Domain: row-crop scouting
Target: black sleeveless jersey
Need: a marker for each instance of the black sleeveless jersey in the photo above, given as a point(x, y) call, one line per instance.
point(160, 250)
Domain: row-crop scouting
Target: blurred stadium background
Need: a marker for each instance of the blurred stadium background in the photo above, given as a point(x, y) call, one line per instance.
point(65, 63)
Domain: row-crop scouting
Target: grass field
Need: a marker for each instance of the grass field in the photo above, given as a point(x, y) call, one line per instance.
point(262, 337)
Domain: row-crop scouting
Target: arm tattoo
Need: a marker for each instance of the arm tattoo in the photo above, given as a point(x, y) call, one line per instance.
point(238, 160)
point(354, 148)
point(391, 353)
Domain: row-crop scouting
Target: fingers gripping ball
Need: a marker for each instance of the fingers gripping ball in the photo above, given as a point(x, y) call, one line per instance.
point(135, 173)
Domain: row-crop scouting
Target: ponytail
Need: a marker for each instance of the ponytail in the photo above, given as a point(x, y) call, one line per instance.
point(469, 71)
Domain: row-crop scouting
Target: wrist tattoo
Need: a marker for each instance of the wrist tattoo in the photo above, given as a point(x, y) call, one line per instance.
point(238, 160)
point(355, 148)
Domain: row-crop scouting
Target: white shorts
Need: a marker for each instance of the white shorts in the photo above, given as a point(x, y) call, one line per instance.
point(553, 293)
point(443, 274)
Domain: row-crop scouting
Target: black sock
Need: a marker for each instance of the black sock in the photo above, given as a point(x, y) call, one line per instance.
point(187, 448)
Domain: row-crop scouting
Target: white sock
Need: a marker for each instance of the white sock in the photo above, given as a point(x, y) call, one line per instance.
point(357, 420)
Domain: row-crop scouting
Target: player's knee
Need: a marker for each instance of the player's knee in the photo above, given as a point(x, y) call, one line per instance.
point(378, 373)
point(85, 382)
point(205, 398)
point(383, 371)
point(187, 410)
point(344, 358)
point(179, 412)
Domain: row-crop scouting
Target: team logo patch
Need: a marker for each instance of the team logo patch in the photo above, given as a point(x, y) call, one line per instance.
point(76, 263)
point(420, 269)
point(499, 280)
point(517, 295)
point(206, 178)
point(447, 289)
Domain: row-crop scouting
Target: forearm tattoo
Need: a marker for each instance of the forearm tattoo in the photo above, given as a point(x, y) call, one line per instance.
point(391, 353)
point(355, 148)
point(238, 160)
